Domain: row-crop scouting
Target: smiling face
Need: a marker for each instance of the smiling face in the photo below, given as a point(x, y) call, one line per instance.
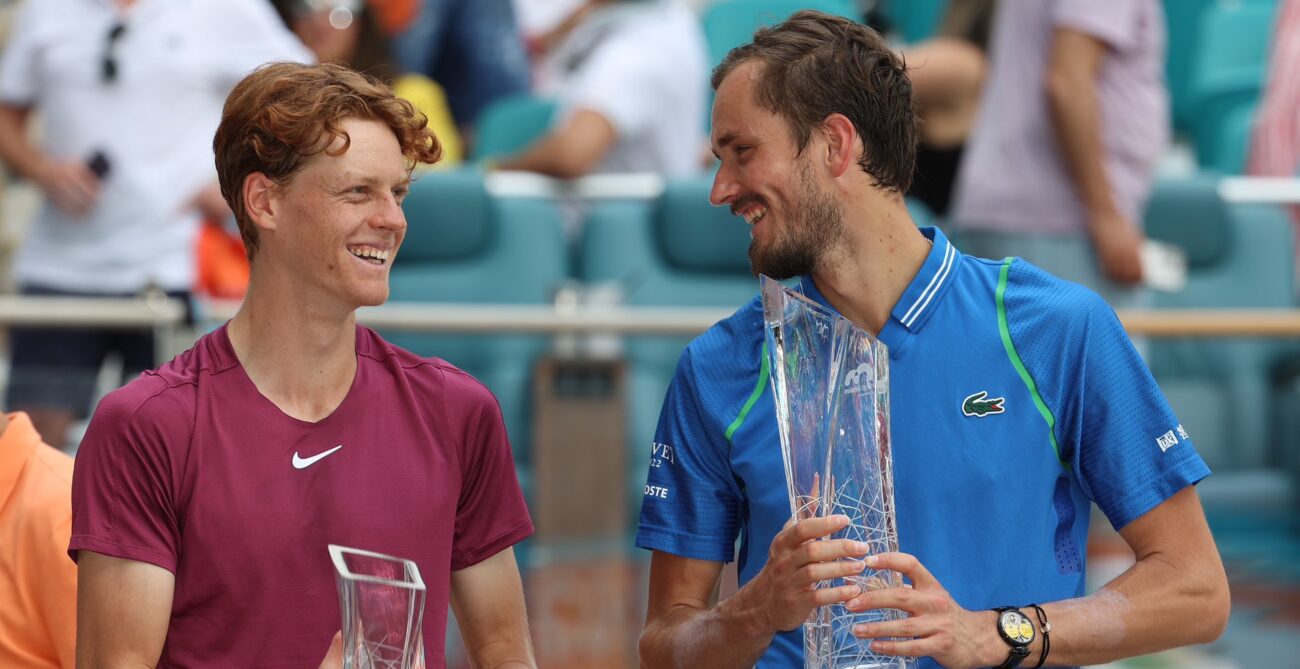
point(338, 221)
point(794, 220)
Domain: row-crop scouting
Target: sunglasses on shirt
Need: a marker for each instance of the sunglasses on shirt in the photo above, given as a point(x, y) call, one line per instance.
point(108, 71)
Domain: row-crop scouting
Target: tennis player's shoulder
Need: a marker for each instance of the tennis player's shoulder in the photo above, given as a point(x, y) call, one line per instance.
point(1034, 293)
point(424, 373)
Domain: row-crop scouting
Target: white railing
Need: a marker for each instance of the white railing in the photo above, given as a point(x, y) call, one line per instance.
point(577, 319)
point(102, 312)
point(1260, 190)
point(646, 186)
point(636, 186)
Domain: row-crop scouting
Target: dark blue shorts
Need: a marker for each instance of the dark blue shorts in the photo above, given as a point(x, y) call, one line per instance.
point(57, 368)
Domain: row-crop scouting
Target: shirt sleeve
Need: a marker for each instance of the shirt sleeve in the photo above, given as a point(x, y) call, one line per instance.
point(19, 79)
point(1132, 452)
point(618, 82)
point(1113, 425)
point(692, 504)
point(491, 514)
point(1114, 22)
point(123, 486)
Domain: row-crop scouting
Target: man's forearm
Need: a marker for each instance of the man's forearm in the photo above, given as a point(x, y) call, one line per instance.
point(1076, 123)
point(488, 601)
point(570, 150)
point(547, 156)
point(515, 653)
point(16, 151)
point(725, 635)
point(1155, 605)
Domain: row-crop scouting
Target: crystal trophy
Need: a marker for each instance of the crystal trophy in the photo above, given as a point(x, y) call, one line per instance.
point(830, 381)
point(382, 604)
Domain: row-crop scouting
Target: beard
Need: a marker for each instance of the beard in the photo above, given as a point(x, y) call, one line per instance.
point(813, 225)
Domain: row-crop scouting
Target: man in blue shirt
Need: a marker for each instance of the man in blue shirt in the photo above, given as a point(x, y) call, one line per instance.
point(1017, 400)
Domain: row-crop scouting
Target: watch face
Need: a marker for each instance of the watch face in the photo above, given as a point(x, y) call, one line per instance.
point(1016, 627)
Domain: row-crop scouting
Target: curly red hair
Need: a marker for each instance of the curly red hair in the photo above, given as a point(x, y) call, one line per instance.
point(284, 113)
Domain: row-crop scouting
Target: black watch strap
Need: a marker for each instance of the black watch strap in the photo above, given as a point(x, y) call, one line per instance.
point(1016, 655)
point(1017, 652)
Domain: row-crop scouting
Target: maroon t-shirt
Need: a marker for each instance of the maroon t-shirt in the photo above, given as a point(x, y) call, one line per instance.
point(190, 468)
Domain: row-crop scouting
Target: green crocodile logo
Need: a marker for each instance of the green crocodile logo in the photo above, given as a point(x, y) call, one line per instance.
point(977, 406)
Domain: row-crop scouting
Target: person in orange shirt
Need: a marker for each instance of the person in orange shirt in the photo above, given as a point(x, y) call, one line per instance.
point(38, 581)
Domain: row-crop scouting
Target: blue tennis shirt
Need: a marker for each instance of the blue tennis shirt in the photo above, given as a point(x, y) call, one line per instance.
point(1016, 399)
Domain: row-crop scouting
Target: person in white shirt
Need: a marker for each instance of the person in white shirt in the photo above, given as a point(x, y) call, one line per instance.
point(633, 93)
point(129, 93)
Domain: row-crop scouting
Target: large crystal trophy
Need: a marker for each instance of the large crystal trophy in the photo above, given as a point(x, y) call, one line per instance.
point(382, 603)
point(830, 381)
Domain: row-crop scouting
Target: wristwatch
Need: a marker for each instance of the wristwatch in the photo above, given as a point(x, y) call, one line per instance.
point(1016, 629)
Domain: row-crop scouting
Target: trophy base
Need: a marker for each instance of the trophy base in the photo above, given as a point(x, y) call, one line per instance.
point(844, 653)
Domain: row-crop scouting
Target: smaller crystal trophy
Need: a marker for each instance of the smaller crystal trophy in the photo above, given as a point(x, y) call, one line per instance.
point(381, 599)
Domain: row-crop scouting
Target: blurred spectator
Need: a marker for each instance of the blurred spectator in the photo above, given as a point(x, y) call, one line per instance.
point(349, 32)
point(472, 48)
point(633, 93)
point(341, 31)
point(540, 17)
point(947, 74)
point(129, 94)
point(38, 582)
point(1275, 143)
point(1072, 122)
point(8, 8)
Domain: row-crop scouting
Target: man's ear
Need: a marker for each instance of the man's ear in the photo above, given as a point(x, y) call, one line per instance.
point(261, 200)
point(842, 144)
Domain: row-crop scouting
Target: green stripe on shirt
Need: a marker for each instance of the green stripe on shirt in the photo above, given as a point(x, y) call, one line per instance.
point(753, 397)
point(1020, 365)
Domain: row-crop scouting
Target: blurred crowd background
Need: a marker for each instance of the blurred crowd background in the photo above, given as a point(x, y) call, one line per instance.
point(576, 175)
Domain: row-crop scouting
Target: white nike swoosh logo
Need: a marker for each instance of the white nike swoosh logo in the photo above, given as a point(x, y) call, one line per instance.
point(303, 463)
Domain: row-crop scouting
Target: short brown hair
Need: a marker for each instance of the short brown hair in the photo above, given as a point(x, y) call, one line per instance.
point(284, 113)
point(815, 65)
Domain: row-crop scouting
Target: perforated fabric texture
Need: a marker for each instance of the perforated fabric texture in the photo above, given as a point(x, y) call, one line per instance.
point(693, 505)
point(1069, 559)
point(1125, 446)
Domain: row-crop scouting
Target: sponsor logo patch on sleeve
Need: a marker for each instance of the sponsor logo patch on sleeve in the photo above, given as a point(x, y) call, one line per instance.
point(661, 454)
point(656, 491)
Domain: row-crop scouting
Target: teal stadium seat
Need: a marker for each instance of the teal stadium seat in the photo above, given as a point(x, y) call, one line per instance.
point(675, 251)
point(1239, 256)
point(511, 124)
point(1285, 387)
point(463, 246)
point(914, 20)
point(730, 23)
point(1229, 70)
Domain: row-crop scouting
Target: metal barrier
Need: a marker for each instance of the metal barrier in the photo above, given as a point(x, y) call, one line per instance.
point(1241, 190)
point(513, 319)
point(105, 312)
point(1260, 190)
point(635, 186)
